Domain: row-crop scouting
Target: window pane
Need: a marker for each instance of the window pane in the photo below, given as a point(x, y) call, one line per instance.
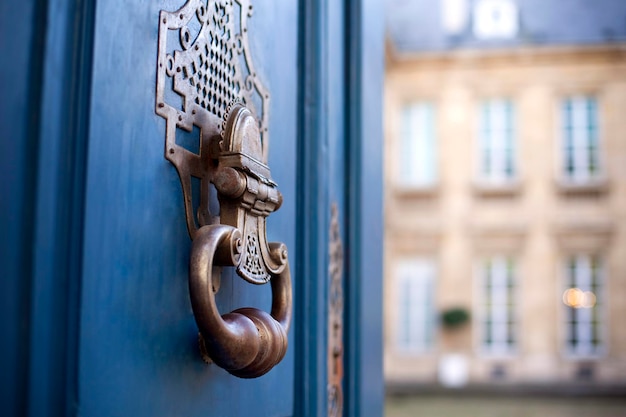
point(580, 138)
point(498, 309)
point(415, 280)
point(509, 142)
point(583, 312)
point(417, 148)
point(496, 140)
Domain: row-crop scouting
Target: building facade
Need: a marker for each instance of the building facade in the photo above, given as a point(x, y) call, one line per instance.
point(506, 198)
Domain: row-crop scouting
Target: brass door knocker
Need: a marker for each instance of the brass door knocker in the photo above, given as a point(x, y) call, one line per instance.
point(247, 342)
point(211, 70)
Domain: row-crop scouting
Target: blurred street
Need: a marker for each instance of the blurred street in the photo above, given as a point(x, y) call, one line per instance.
point(449, 406)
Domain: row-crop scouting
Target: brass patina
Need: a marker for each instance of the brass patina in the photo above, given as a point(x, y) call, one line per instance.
point(203, 66)
point(210, 68)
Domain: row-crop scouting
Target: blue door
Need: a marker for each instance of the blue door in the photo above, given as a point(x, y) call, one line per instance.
point(100, 215)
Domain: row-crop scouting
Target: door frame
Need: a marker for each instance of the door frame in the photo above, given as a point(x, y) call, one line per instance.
point(364, 63)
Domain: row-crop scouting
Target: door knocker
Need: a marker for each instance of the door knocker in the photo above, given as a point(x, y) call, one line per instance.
point(208, 65)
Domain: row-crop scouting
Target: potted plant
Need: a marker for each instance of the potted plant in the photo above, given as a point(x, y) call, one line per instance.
point(454, 317)
point(453, 364)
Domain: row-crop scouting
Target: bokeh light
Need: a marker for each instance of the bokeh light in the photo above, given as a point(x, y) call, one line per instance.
point(577, 298)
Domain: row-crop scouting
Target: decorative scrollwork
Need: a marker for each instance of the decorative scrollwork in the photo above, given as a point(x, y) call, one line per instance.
point(203, 66)
point(252, 265)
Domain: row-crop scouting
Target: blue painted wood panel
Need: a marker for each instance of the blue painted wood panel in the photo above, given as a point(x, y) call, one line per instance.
point(19, 47)
point(43, 49)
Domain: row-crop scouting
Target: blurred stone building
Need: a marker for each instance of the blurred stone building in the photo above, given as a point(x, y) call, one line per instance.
point(506, 192)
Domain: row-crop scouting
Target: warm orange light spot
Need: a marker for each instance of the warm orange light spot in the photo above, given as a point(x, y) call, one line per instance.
point(573, 297)
point(577, 298)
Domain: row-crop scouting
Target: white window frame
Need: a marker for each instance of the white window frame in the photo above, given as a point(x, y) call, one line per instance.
point(577, 138)
point(583, 326)
point(500, 313)
point(497, 143)
point(417, 152)
point(416, 319)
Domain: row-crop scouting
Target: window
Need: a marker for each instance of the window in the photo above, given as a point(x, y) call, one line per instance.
point(415, 279)
point(496, 142)
point(498, 309)
point(583, 306)
point(581, 154)
point(416, 151)
point(495, 19)
point(454, 14)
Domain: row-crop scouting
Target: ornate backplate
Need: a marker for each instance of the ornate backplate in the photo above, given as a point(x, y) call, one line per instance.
point(204, 67)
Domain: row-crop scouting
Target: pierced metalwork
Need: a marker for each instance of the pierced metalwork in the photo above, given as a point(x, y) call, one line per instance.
point(204, 66)
point(204, 63)
point(247, 194)
point(335, 318)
